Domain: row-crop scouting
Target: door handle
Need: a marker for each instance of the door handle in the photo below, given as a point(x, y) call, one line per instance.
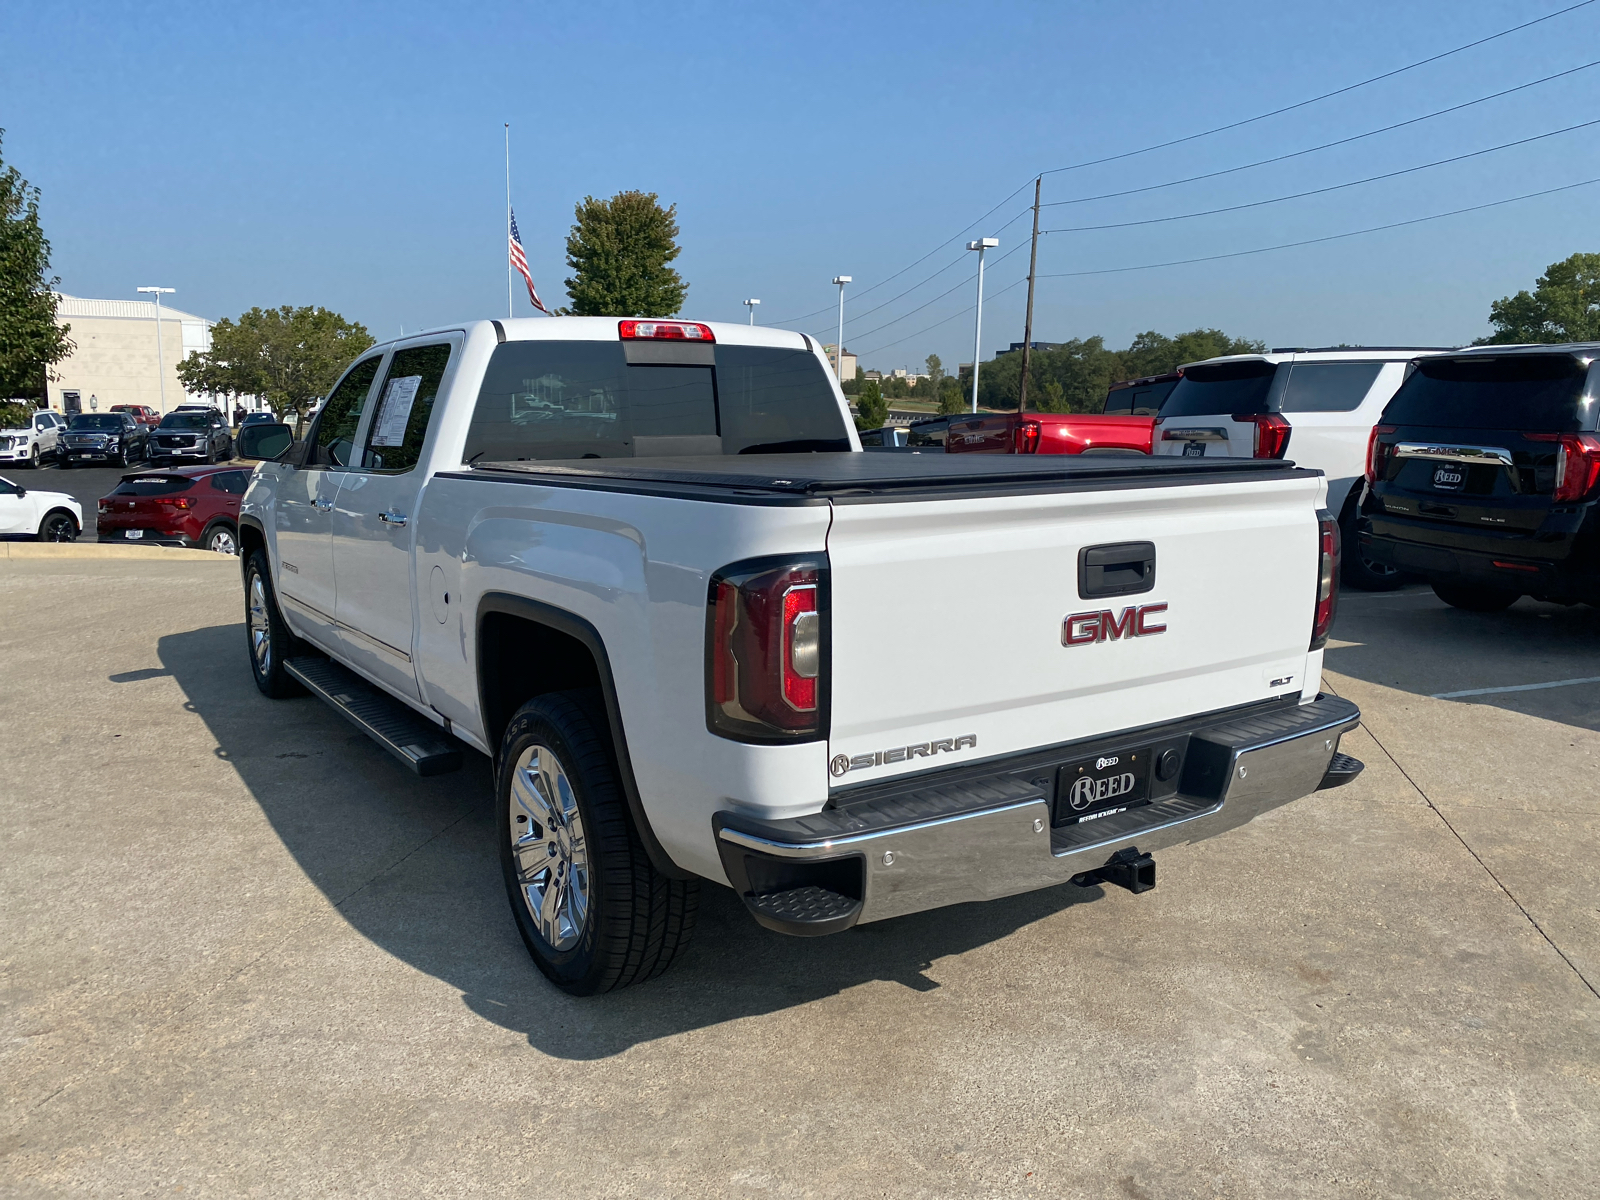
point(392, 518)
point(324, 505)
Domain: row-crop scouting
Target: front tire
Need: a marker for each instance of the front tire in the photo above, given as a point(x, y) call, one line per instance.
point(33, 457)
point(266, 636)
point(58, 526)
point(592, 909)
point(1474, 597)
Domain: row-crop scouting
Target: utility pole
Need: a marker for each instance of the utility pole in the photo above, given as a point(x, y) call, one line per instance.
point(161, 368)
point(838, 354)
point(1027, 325)
point(980, 246)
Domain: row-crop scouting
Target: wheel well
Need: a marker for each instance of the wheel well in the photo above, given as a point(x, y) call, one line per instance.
point(250, 540)
point(65, 512)
point(519, 659)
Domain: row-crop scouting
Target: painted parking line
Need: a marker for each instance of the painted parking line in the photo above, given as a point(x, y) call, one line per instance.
point(1521, 687)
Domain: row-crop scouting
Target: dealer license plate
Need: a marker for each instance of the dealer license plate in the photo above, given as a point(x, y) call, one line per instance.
point(1194, 449)
point(134, 535)
point(1449, 478)
point(1102, 786)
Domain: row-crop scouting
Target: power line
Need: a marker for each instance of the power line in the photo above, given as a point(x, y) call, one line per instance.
point(1333, 237)
point(958, 285)
point(1323, 190)
point(1262, 162)
point(791, 321)
point(1095, 162)
point(1183, 262)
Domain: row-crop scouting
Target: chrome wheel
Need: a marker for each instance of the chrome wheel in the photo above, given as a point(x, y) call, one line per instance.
point(222, 542)
point(549, 848)
point(260, 626)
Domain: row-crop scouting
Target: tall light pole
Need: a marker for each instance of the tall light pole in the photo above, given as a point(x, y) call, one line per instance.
point(980, 246)
point(161, 368)
point(838, 353)
point(751, 305)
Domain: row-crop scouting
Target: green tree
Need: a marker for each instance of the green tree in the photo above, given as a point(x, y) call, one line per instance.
point(1153, 353)
point(951, 397)
point(1564, 306)
point(871, 407)
point(851, 386)
point(30, 339)
point(289, 357)
point(619, 250)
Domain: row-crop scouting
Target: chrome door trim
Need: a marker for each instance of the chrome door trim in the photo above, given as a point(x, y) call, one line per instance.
point(1498, 454)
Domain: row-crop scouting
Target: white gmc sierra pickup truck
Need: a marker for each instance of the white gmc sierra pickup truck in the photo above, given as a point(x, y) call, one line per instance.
point(645, 567)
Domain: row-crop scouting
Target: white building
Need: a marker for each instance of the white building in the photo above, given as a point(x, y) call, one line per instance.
point(116, 357)
point(849, 371)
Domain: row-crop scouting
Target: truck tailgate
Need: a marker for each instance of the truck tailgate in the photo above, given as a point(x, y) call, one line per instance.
point(948, 617)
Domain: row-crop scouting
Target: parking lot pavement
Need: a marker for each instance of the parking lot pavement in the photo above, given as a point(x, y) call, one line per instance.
point(246, 954)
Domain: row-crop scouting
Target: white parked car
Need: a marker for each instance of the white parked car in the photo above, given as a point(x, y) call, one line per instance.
point(1314, 407)
point(26, 445)
point(45, 516)
point(645, 567)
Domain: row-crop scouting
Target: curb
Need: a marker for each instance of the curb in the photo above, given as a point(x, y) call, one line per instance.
point(56, 551)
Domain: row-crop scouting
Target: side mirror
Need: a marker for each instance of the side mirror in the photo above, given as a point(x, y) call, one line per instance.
point(269, 442)
point(21, 492)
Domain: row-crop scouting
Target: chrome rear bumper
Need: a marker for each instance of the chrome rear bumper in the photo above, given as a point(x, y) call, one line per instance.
point(981, 837)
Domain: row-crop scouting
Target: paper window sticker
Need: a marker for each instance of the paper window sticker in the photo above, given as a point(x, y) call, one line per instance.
point(398, 398)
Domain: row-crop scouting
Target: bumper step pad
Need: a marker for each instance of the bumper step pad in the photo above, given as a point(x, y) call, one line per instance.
point(415, 741)
point(1341, 771)
point(808, 910)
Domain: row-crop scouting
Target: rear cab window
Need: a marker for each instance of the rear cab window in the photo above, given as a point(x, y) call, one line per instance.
point(583, 399)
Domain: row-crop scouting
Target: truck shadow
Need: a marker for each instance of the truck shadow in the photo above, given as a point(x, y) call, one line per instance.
point(1413, 641)
point(412, 865)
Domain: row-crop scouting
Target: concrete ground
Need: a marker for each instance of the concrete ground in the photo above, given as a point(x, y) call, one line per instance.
point(245, 954)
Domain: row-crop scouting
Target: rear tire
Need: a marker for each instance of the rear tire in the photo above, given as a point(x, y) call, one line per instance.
point(1360, 571)
point(592, 909)
point(267, 638)
point(58, 526)
point(220, 539)
point(1475, 597)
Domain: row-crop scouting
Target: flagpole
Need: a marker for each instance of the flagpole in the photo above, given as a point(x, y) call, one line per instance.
point(510, 281)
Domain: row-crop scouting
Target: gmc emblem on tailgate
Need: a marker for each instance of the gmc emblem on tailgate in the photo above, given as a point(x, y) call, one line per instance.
point(1080, 629)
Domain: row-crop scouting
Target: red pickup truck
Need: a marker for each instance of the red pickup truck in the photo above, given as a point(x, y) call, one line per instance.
point(1125, 427)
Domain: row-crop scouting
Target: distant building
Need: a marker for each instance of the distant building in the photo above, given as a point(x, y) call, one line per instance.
point(873, 376)
point(849, 371)
point(1015, 346)
point(115, 358)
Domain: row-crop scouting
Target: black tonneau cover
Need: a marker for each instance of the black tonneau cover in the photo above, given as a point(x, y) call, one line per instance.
point(853, 477)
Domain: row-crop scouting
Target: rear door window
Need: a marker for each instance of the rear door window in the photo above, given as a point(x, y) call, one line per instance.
point(232, 482)
point(1222, 389)
point(1328, 387)
point(1534, 392)
point(405, 408)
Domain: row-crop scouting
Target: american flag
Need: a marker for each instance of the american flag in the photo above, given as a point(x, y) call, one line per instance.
point(519, 260)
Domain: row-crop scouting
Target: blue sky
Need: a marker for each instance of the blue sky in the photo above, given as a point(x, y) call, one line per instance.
point(352, 156)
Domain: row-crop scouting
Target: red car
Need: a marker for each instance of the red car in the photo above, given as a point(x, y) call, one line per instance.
point(190, 506)
point(142, 413)
point(1050, 433)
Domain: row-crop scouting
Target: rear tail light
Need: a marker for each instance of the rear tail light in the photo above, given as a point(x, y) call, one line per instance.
point(1027, 437)
point(1271, 436)
point(104, 505)
point(767, 651)
point(1378, 453)
point(1577, 467)
point(672, 331)
point(174, 501)
point(1327, 578)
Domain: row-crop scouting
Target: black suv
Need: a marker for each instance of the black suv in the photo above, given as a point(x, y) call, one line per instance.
point(1483, 475)
point(191, 436)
